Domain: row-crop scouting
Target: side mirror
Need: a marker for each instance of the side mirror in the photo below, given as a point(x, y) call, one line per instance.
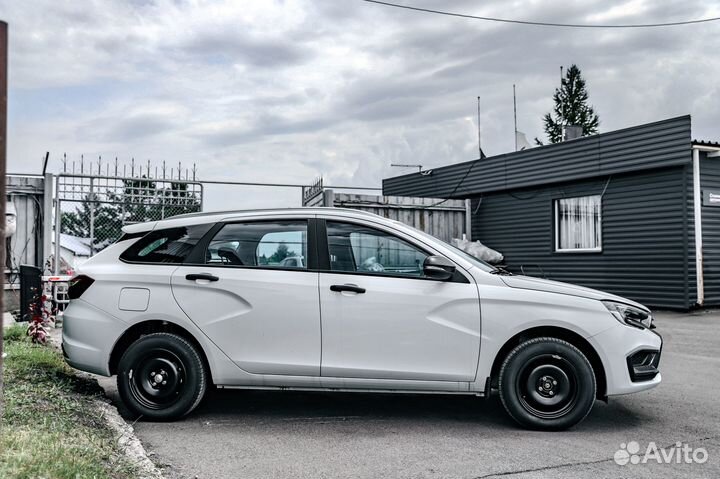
point(438, 267)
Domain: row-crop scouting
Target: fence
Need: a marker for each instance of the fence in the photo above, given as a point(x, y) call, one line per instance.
point(91, 207)
point(24, 219)
point(444, 219)
point(93, 201)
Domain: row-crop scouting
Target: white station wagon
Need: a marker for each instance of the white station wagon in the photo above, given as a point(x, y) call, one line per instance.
point(341, 300)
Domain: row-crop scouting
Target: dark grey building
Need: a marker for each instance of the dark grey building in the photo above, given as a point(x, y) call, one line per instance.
point(624, 211)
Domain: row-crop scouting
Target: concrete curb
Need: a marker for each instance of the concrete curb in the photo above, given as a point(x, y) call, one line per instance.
point(130, 445)
point(128, 441)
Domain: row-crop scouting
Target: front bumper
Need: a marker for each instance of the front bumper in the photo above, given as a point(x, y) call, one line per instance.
point(631, 358)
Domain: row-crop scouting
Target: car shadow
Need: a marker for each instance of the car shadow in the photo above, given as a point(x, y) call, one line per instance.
point(231, 405)
point(239, 405)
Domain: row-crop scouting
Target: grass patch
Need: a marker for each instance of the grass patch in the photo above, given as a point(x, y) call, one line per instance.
point(50, 426)
point(15, 332)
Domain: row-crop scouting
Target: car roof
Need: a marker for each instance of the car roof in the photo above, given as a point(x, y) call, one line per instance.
point(216, 216)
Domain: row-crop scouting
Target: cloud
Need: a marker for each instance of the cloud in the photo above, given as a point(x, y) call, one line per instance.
point(282, 91)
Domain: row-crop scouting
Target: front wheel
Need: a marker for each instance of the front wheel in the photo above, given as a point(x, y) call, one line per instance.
point(162, 377)
point(547, 383)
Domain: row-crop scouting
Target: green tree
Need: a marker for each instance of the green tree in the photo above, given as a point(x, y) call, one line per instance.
point(571, 107)
point(107, 222)
point(280, 253)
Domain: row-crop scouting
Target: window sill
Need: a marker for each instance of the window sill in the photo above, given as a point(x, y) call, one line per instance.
point(570, 251)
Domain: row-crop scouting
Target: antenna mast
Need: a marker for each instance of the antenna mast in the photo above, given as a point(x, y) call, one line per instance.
point(480, 153)
point(515, 115)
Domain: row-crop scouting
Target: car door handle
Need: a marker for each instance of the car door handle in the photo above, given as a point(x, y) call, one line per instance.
point(205, 276)
point(339, 288)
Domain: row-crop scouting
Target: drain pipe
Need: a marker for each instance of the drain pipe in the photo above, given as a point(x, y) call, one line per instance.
point(697, 207)
point(712, 152)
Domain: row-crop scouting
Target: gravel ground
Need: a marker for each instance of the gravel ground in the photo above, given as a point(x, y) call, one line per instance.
point(256, 434)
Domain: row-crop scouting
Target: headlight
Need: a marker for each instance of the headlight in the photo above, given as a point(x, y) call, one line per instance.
point(629, 315)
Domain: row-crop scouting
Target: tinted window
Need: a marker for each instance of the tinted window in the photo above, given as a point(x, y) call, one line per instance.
point(361, 249)
point(171, 245)
point(274, 244)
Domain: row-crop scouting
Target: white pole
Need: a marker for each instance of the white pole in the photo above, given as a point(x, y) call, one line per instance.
point(480, 153)
point(515, 115)
point(697, 208)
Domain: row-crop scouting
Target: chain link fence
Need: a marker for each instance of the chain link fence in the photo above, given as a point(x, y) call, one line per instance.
point(92, 209)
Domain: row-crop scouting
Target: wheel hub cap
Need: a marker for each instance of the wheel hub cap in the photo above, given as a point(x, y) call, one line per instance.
point(547, 386)
point(159, 379)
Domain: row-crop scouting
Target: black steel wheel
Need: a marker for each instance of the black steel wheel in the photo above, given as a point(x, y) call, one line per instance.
point(161, 376)
point(547, 383)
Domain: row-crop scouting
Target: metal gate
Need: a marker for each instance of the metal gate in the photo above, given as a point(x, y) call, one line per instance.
point(93, 205)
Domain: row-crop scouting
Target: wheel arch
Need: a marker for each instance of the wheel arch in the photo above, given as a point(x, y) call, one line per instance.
point(136, 331)
point(556, 332)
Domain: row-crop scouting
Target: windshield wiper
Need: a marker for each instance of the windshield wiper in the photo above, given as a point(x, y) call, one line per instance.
point(501, 271)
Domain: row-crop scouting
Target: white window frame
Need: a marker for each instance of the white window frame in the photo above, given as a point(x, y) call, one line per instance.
point(556, 210)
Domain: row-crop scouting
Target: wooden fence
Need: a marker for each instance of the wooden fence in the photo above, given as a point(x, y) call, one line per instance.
point(444, 219)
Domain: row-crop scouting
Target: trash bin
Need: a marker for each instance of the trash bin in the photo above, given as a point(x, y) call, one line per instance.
point(30, 290)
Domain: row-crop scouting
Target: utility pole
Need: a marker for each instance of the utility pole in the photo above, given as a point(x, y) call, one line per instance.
point(515, 115)
point(3, 184)
point(480, 153)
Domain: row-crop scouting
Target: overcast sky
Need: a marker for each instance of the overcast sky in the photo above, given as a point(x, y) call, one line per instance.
point(287, 90)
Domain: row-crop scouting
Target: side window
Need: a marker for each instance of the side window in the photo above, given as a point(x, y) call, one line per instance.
point(362, 249)
point(270, 244)
point(171, 245)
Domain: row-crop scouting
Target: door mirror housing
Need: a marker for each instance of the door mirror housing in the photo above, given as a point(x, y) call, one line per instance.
point(438, 267)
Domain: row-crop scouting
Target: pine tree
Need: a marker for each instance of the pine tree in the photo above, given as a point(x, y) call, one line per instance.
point(571, 107)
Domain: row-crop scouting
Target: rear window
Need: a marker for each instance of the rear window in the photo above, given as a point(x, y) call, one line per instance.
point(171, 245)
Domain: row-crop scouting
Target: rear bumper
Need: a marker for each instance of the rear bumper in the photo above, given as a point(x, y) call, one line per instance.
point(631, 358)
point(88, 337)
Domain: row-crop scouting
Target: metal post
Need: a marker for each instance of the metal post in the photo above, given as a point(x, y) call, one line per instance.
point(515, 115)
point(480, 152)
point(468, 220)
point(3, 190)
point(47, 213)
point(92, 216)
point(58, 224)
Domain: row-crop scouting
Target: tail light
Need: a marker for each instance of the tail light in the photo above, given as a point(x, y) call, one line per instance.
point(78, 285)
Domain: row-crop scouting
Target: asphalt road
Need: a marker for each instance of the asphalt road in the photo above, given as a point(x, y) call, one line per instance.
point(253, 434)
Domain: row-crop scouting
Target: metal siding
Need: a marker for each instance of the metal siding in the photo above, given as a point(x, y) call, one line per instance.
point(710, 180)
point(654, 145)
point(643, 239)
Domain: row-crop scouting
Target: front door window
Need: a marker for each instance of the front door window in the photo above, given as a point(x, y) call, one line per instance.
point(358, 248)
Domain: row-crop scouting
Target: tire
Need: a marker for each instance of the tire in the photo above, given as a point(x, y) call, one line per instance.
point(562, 372)
point(162, 377)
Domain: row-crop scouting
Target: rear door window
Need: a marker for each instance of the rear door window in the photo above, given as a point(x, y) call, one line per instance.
point(165, 246)
point(268, 244)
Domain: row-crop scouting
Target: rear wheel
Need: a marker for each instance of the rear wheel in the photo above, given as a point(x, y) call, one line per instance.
point(162, 377)
point(547, 383)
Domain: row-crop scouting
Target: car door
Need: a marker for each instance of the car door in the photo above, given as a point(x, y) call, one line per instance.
point(382, 319)
point(260, 311)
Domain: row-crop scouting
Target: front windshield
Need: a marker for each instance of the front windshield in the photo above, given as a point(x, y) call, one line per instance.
point(467, 256)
